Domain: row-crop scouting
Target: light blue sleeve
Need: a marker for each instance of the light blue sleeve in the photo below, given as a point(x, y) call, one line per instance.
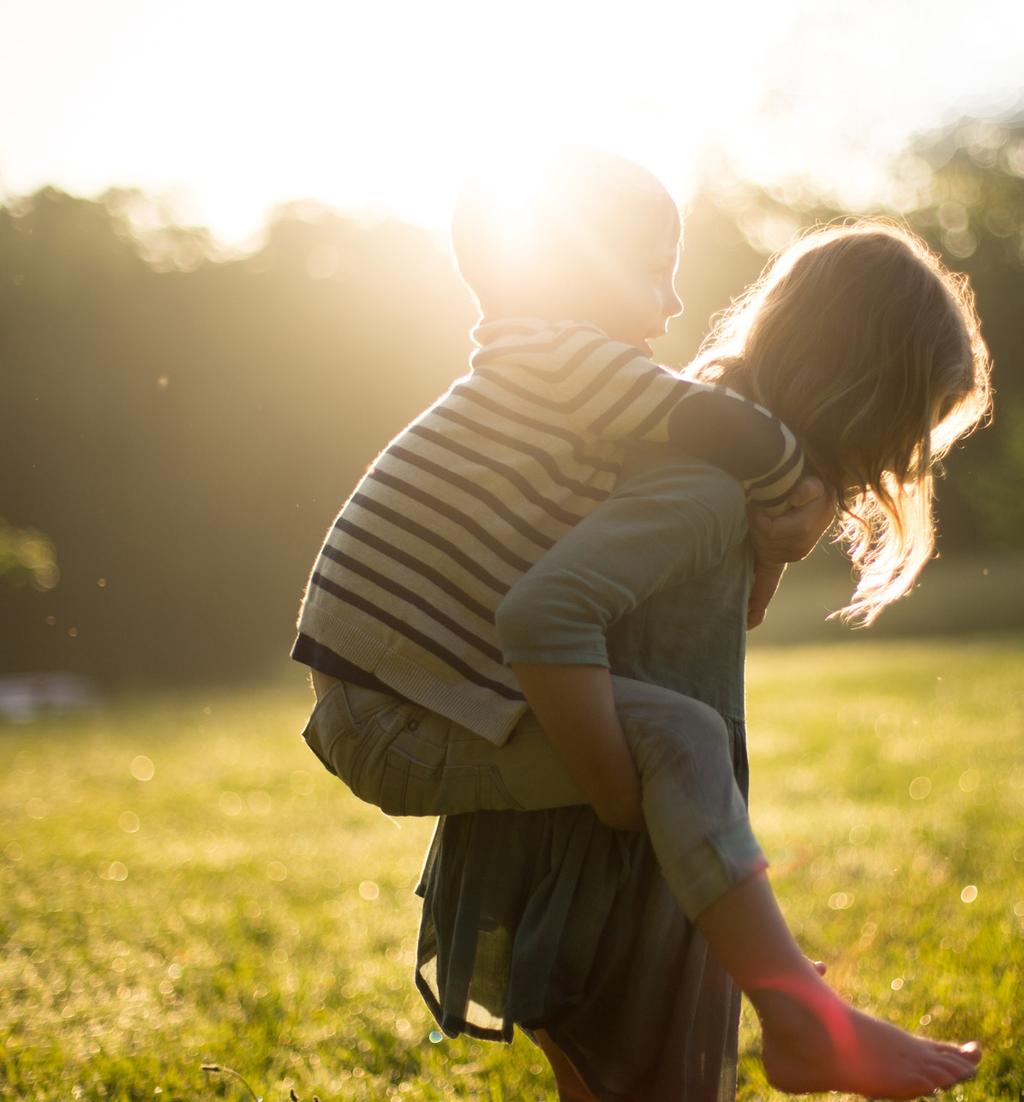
point(673, 520)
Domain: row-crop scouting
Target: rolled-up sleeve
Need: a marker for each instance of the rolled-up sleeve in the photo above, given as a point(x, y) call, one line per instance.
point(673, 520)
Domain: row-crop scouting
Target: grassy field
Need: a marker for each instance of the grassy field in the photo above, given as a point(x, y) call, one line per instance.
point(180, 884)
point(967, 593)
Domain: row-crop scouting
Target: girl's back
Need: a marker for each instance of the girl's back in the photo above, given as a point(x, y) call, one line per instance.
point(551, 917)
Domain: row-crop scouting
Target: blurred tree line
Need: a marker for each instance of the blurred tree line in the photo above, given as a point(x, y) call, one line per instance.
point(183, 427)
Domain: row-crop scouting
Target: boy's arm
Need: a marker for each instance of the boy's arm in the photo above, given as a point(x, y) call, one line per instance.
point(611, 391)
point(552, 624)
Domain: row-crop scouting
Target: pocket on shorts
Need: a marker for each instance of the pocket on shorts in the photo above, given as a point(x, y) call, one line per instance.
point(411, 787)
point(337, 736)
point(325, 725)
point(359, 755)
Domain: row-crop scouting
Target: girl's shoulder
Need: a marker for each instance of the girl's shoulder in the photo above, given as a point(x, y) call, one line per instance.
point(683, 485)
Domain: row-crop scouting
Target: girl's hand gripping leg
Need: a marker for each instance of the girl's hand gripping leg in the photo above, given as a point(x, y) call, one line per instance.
point(786, 538)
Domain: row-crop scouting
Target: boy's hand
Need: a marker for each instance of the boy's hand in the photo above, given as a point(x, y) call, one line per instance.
point(786, 538)
point(794, 534)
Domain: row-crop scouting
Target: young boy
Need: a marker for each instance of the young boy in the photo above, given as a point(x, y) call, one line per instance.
point(401, 601)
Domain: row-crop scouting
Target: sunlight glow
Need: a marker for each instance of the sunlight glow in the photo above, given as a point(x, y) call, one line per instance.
point(515, 190)
point(225, 109)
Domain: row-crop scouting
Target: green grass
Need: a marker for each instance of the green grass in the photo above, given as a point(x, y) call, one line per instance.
point(977, 593)
point(239, 908)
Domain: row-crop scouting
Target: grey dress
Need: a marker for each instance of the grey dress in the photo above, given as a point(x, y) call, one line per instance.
point(548, 919)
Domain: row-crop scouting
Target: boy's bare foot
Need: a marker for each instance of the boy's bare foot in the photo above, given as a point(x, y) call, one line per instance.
point(814, 1041)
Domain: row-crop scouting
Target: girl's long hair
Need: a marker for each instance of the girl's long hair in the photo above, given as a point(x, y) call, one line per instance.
point(871, 351)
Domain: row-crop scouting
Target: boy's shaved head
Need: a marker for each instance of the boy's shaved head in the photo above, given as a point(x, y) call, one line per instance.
point(548, 240)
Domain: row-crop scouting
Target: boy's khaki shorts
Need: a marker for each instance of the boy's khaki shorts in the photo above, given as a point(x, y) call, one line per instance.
point(408, 760)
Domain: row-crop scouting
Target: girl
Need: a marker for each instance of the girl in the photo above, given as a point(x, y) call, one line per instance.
point(861, 342)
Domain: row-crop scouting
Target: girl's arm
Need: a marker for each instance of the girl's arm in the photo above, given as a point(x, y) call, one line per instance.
point(576, 709)
point(786, 538)
point(674, 521)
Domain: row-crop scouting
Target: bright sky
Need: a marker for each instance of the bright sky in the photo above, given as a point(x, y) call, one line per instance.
point(225, 107)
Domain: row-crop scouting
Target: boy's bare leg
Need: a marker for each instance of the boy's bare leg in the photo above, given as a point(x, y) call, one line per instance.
point(571, 1087)
point(812, 1039)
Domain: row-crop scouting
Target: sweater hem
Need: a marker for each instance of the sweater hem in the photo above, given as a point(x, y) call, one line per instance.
point(481, 711)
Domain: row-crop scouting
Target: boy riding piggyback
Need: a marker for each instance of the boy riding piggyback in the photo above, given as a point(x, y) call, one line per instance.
point(418, 712)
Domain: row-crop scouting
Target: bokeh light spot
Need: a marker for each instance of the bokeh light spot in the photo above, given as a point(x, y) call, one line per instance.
point(969, 780)
point(920, 788)
point(142, 768)
point(969, 894)
point(369, 890)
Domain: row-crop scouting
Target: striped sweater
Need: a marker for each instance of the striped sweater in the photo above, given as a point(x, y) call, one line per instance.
point(479, 486)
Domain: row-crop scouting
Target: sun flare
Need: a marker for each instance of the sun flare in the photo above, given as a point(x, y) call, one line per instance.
point(227, 109)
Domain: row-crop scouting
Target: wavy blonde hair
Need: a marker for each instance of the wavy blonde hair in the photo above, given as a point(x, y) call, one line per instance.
point(871, 351)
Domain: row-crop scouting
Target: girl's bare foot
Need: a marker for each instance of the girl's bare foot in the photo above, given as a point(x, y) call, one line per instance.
point(814, 1041)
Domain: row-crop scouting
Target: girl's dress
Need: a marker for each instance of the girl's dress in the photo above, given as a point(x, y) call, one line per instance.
point(549, 919)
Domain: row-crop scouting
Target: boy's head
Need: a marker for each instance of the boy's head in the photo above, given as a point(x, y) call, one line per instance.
point(580, 235)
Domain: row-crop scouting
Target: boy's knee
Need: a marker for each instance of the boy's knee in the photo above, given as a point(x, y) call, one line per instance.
point(652, 706)
point(668, 728)
point(694, 715)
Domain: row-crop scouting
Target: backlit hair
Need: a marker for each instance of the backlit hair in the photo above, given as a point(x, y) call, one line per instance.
point(871, 351)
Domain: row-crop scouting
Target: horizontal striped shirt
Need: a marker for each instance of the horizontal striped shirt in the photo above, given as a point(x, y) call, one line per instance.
point(479, 486)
